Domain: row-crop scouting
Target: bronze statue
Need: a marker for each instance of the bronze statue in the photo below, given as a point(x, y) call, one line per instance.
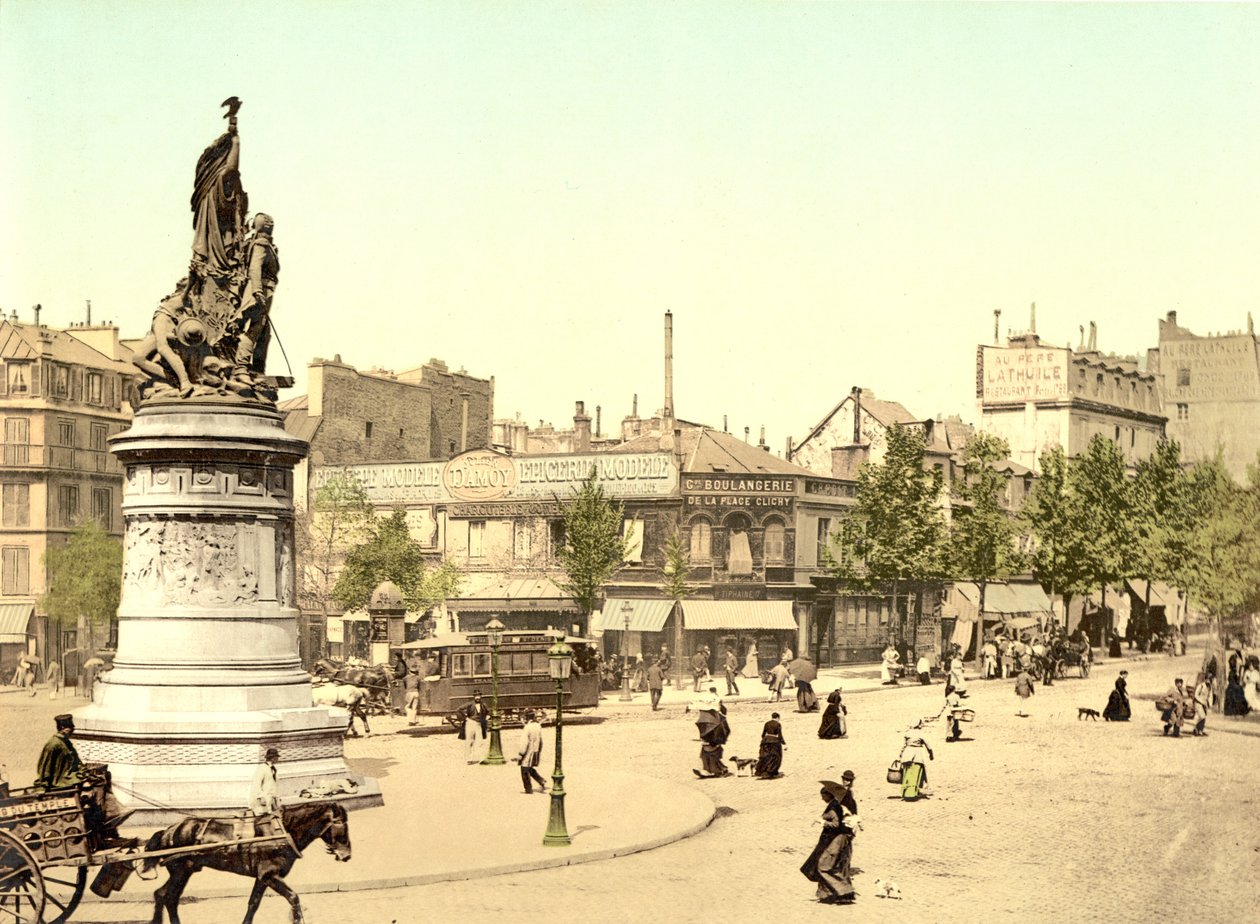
point(210, 336)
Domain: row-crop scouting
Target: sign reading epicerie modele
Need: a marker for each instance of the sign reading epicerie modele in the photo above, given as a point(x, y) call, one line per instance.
point(1023, 374)
point(484, 475)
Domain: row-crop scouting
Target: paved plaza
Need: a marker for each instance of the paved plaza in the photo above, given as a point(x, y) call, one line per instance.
point(1043, 818)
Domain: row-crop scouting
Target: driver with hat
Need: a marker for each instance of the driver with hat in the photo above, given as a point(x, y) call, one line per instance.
point(59, 764)
point(264, 794)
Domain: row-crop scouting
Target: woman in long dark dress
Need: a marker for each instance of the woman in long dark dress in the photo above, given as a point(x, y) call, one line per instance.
point(829, 864)
point(833, 719)
point(770, 757)
point(1118, 703)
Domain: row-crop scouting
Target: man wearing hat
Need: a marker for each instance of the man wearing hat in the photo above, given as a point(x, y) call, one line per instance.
point(264, 794)
point(59, 764)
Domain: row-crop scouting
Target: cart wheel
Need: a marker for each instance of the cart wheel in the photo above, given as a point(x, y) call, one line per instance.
point(21, 883)
point(63, 887)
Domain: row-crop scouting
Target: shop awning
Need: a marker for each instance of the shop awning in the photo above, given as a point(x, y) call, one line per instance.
point(645, 615)
point(1138, 588)
point(15, 620)
point(1000, 601)
point(738, 614)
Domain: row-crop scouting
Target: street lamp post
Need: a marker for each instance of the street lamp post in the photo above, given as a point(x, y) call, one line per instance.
point(559, 662)
point(626, 609)
point(494, 755)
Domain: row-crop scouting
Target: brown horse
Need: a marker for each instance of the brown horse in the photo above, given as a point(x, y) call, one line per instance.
point(267, 863)
point(376, 679)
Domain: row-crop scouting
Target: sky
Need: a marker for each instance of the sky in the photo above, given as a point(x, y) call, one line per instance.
point(824, 195)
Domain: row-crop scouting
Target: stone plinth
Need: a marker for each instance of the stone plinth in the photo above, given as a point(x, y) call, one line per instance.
point(207, 674)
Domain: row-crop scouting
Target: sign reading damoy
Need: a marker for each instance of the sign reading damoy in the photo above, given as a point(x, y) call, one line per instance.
point(479, 475)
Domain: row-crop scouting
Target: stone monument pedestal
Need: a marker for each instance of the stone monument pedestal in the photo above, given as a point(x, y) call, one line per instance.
point(207, 674)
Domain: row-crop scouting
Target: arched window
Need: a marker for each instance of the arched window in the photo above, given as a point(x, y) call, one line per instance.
point(738, 549)
point(701, 540)
point(775, 542)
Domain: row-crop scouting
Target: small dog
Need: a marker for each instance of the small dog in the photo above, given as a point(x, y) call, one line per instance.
point(743, 764)
point(887, 889)
point(1083, 713)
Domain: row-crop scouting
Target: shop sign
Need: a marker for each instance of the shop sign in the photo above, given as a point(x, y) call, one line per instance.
point(738, 501)
point(1023, 374)
point(505, 509)
point(737, 484)
point(479, 475)
point(739, 592)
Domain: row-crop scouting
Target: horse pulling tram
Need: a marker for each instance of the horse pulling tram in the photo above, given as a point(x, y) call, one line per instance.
point(465, 662)
point(49, 838)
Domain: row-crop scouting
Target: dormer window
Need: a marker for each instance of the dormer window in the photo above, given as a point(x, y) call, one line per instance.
point(19, 378)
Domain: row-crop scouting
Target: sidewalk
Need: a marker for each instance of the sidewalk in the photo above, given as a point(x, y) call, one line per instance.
point(449, 820)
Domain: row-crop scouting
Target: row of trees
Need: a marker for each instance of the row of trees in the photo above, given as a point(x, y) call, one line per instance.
point(1085, 525)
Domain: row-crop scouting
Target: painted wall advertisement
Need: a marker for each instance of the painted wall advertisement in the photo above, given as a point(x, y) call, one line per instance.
point(1023, 373)
point(483, 475)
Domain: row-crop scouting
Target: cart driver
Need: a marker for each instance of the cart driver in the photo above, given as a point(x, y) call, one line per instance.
point(59, 764)
point(264, 795)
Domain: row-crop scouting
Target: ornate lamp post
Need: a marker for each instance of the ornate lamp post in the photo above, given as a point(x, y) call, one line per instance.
point(626, 609)
point(494, 755)
point(559, 662)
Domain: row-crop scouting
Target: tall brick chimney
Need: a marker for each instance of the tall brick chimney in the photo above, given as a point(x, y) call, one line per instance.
point(581, 428)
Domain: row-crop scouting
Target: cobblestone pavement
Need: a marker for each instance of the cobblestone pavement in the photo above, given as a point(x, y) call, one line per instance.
point(1045, 818)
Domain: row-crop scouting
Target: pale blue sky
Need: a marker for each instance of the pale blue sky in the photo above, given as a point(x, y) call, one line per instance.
point(824, 194)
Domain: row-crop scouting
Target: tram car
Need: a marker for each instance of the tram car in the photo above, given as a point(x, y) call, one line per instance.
point(459, 663)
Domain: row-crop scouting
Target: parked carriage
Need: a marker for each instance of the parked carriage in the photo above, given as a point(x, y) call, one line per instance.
point(465, 662)
point(49, 838)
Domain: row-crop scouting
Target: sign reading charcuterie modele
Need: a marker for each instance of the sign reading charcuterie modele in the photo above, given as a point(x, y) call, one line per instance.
point(484, 475)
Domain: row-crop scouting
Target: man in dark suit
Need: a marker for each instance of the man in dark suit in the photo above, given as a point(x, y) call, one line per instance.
point(474, 730)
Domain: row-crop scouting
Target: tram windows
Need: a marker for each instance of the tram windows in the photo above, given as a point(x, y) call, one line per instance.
point(481, 664)
point(461, 665)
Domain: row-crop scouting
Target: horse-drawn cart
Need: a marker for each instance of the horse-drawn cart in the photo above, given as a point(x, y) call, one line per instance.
point(48, 839)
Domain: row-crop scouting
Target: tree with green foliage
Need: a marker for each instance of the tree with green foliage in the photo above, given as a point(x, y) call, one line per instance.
point(594, 546)
point(894, 538)
point(340, 517)
point(1224, 546)
point(1057, 525)
point(84, 580)
point(391, 554)
point(983, 533)
point(1160, 517)
point(675, 571)
point(1097, 479)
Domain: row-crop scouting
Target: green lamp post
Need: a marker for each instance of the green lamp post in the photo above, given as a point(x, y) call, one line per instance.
point(559, 662)
point(494, 755)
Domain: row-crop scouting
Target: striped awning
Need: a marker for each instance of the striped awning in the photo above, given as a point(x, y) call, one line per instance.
point(738, 614)
point(645, 615)
point(15, 619)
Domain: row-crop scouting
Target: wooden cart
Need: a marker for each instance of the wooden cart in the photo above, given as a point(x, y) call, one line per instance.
point(48, 839)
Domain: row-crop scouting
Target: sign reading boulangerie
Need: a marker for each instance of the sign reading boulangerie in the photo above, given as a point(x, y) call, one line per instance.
point(1023, 373)
point(483, 475)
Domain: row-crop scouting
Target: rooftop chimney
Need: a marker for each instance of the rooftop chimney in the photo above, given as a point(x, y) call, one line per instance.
point(1093, 337)
point(1032, 318)
point(746, 431)
point(581, 428)
point(669, 366)
point(89, 313)
point(1081, 346)
point(856, 393)
point(725, 428)
point(634, 407)
point(38, 309)
point(997, 316)
point(598, 415)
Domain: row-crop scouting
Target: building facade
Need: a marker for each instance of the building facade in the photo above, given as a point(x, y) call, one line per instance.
point(1211, 392)
point(64, 393)
point(1037, 396)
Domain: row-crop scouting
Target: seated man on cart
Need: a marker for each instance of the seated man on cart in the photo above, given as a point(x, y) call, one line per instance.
point(60, 767)
point(59, 764)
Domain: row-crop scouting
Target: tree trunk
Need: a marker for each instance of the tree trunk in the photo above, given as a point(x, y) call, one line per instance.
point(984, 585)
point(678, 645)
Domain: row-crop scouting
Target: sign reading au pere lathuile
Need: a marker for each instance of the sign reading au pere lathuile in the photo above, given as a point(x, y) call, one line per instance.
point(1024, 373)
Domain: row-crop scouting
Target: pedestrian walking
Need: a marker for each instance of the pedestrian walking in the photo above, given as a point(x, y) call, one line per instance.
point(770, 755)
point(1117, 709)
point(530, 753)
point(666, 661)
point(1023, 689)
point(752, 667)
point(990, 652)
point(699, 667)
point(953, 703)
point(1202, 699)
point(656, 683)
point(1251, 683)
point(473, 732)
point(731, 668)
point(778, 677)
point(834, 724)
point(52, 674)
point(1171, 708)
point(411, 696)
point(829, 865)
